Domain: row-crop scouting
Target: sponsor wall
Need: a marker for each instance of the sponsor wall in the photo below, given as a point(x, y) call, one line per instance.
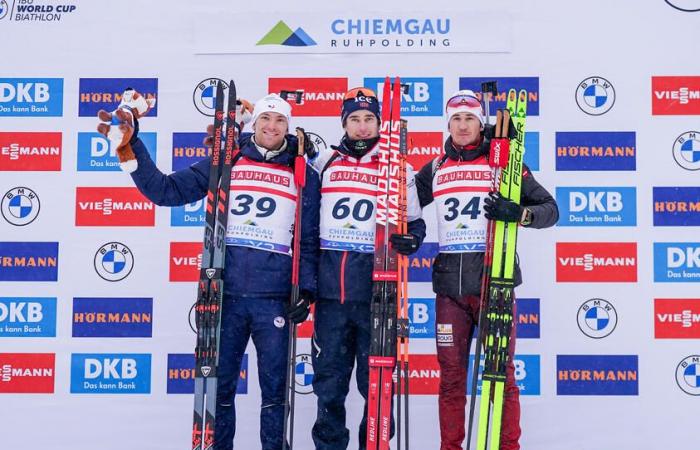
point(97, 283)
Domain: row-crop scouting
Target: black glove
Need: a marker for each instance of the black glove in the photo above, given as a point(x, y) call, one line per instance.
point(299, 311)
point(309, 147)
point(500, 208)
point(406, 244)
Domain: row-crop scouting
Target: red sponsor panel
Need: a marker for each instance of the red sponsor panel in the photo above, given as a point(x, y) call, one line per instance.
point(113, 206)
point(423, 147)
point(306, 328)
point(677, 318)
point(35, 151)
point(597, 261)
point(319, 96)
point(27, 373)
point(675, 95)
point(424, 375)
point(185, 261)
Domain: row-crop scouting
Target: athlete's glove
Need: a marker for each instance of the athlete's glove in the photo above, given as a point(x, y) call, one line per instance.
point(244, 112)
point(299, 311)
point(309, 147)
point(500, 208)
point(406, 244)
point(121, 126)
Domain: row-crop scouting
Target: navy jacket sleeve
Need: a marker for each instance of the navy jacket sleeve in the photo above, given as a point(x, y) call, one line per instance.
point(310, 220)
point(545, 211)
point(424, 184)
point(179, 188)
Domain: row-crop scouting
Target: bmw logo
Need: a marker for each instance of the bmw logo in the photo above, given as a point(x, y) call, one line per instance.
point(595, 96)
point(688, 375)
point(205, 94)
point(20, 206)
point(686, 150)
point(597, 318)
point(114, 261)
point(303, 374)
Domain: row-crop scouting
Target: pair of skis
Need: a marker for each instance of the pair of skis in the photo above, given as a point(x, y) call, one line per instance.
point(210, 288)
point(389, 306)
point(496, 314)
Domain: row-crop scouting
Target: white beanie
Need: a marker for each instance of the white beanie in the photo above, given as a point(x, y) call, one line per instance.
point(272, 103)
point(464, 101)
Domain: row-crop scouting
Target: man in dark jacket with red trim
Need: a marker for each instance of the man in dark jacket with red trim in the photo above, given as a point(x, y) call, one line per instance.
point(459, 183)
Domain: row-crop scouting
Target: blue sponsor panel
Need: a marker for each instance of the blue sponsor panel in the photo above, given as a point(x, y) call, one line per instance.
point(110, 373)
point(31, 97)
point(504, 84)
point(676, 206)
point(112, 317)
point(95, 154)
point(421, 317)
point(677, 262)
point(527, 318)
point(181, 374)
point(106, 93)
point(424, 96)
point(604, 150)
point(597, 206)
point(189, 215)
point(28, 261)
point(532, 150)
point(527, 374)
point(420, 264)
point(188, 148)
point(27, 316)
point(597, 375)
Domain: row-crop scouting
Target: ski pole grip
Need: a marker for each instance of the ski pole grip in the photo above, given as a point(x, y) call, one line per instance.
point(299, 161)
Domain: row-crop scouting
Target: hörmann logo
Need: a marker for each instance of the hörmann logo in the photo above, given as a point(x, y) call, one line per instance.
point(676, 206)
point(597, 375)
point(106, 93)
point(676, 262)
point(27, 97)
point(320, 97)
point(674, 95)
point(188, 148)
point(597, 206)
point(677, 318)
point(596, 261)
point(609, 150)
point(28, 261)
point(34, 151)
point(530, 84)
point(181, 374)
point(112, 317)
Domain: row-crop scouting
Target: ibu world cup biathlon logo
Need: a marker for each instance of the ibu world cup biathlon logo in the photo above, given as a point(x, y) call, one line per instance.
point(688, 375)
point(4, 9)
point(686, 150)
point(204, 95)
point(114, 261)
point(595, 96)
point(597, 318)
point(303, 374)
point(20, 206)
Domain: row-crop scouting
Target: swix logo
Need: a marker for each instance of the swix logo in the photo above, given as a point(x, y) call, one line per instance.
point(95, 154)
point(676, 206)
point(421, 317)
point(677, 318)
point(597, 375)
point(423, 375)
point(181, 374)
point(113, 206)
point(27, 317)
point(24, 97)
point(599, 206)
point(35, 151)
point(185, 261)
point(676, 262)
point(675, 95)
point(320, 97)
point(419, 96)
point(110, 373)
point(423, 147)
point(420, 264)
point(188, 148)
point(597, 261)
point(25, 373)
point(106, 93)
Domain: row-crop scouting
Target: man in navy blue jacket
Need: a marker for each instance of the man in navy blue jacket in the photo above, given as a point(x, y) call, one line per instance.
point(342, 315)
point(257, 276)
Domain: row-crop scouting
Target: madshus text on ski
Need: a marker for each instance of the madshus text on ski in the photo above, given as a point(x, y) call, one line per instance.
point(334, 230)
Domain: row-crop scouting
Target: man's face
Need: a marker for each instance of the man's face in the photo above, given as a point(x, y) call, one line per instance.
point(361, 124)
point(270, 129)
point(465, 129)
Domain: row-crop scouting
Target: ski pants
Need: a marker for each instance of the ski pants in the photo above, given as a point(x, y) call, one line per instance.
point(456, 319)
point(341, 338)
point(265, 320)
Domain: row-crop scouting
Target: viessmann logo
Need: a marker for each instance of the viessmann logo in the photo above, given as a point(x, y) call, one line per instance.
point(27, 373)
point(34, 151)
point(320, 97)
point(185, 261)
point(596, 261)
point(677, 318)
point(673, 95)
point(113, 206)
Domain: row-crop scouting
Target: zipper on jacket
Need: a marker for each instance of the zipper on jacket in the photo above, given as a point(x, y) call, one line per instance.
point(460, 274)
point(342, 277)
